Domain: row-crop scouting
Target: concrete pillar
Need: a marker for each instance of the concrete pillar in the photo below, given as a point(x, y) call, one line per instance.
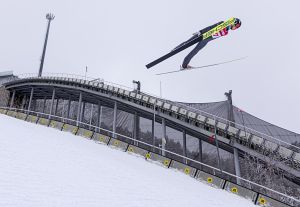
point(79, 108)
point(52, 102)
point(184, 145)
point(115, 119)
point(12, 99)
point(30, 100)
point(237, 165)
point(164, 135)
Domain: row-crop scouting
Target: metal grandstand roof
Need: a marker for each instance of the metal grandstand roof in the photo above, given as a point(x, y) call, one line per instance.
point(4, 76)
point(221, 109)
point(6, 73)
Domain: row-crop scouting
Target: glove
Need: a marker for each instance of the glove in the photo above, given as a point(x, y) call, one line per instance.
point(197, 33)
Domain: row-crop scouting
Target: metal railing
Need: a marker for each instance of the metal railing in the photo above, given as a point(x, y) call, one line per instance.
point(63, 119)
point(181, 105)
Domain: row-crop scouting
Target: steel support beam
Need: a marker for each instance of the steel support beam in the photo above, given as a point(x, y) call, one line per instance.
point(217, 145)
point(91, 117)
point(69, 107)
point(200, 153)
point(63, 111)
point(184, 145)
point(23, 102)
point(79, 108)
point(230, 117)
point(30, 100)
point(153, 134)
point(237, 165)
point(12, 99)
point(44, 104)
point(82, 112)
point(56, 106)
point(136, 128)
point(99, 115)
point(34, 105)
point(164, 135)
point(115, 119)
point(52, 102)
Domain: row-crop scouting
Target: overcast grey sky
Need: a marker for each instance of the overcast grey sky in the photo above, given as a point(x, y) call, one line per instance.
point(116, 39)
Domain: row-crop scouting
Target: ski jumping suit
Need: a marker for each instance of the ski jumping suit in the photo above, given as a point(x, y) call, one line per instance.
point(202, 43)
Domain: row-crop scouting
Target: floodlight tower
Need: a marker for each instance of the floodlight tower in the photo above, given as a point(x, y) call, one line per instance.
point(49, 17)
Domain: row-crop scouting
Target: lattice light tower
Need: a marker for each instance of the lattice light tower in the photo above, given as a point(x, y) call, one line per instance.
point(49, 17)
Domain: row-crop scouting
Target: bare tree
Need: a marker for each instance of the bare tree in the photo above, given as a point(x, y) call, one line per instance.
point(267, 174)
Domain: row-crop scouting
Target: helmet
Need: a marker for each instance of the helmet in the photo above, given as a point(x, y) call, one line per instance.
point(237, 24)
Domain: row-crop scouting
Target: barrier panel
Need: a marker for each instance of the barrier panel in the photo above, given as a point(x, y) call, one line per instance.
point(297, 158)
point(56, 124)
point(241, 191)
point(118, 144)
point(210, 179)
point(136, 150)
point(269, 202)
point(101, 138)
point(183, 168)
point(21, 116)
point(70, 128)
point(270, 146)
point(158, 158)
point(85, 133)
point(284, 152)
point(43, 121)
point(3, 111)
point(32, 119)
point(12, 113)
point(258, 199)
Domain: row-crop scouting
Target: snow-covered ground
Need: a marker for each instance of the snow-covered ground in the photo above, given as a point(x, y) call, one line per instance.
point(40, 166)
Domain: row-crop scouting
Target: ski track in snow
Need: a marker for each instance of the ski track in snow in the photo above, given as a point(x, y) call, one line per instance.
point(42, 166)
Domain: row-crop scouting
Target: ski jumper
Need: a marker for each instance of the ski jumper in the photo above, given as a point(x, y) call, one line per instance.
point(202, 43)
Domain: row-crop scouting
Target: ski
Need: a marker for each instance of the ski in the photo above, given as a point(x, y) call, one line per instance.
point(174, 52)
point(192, 42)
point(204, 66)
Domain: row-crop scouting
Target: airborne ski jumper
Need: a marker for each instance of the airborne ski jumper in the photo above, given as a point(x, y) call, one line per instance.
point(201, 38)
point(202, 43)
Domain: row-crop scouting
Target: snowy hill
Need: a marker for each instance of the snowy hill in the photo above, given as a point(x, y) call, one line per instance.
point(41, 166)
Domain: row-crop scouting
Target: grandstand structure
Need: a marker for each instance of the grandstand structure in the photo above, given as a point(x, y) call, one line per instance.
point(204, 140)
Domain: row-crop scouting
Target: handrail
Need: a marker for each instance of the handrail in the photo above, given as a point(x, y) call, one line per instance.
point(242, 127)
point(153, 146)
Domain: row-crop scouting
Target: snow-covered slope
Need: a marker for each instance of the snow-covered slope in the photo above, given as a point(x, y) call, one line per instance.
point(40, 166)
